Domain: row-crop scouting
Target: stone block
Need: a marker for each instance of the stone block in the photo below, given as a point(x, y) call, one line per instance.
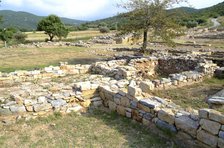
point(216, 116)
point(121, 110)
point(166, 126)
point(203, 113)
point(210, 126)
point(220, 143)
point(112, 106)
point(58, 103)
point(5, 112)
point(149, 103)
point(186, 124)
point(147, 86)
point(166, 115)
point(125, 101)
point(134, 91)
point(207, 138)
point(221, 135)
point(42, 107)
point(17, 109)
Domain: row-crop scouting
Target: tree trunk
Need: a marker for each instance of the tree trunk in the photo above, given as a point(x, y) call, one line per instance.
point(145, 41)
point(51, 37)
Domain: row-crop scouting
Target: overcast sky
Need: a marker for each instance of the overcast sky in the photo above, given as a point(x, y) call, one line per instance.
point(79, 9)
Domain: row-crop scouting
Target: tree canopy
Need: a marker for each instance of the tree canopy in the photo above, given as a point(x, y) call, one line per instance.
point(150, 15)
point(53, 27)
point(7, 34)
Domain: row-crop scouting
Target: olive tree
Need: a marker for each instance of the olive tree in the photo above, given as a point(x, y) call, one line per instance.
point(150, 16)
point(53, 27)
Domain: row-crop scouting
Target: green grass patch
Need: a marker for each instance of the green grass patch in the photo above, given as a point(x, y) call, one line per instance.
point(193, 96)
point(96, 129)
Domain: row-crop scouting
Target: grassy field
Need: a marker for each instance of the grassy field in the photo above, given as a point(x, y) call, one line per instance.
point(76, 35)
point(95, 130)
point(193, 96)
point(33, 58)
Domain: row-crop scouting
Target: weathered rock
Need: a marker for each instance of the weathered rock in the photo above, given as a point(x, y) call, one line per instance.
point(207, 138)
point(221, 135)
point(166, 126)
point(58, 103)
point(186, 124)
point(146, 86)
point(149, 103)
point(112, 106)
point(42, 107)
point(134, 91)
point(220, 143)
point(216, 116)
point(121, 110)
point(5, 112)
point(18, 109)
point(219, 73)
point(167, 115)
point(210, 126)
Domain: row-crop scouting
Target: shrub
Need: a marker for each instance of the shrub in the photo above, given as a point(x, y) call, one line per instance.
point(191, 24)
point(104, 29)
point(20, 37)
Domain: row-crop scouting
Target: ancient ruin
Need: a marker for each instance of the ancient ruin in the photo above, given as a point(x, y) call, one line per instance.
point(123, 86)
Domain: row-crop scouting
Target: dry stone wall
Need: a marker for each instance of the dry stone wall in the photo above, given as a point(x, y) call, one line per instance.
point(120, 86)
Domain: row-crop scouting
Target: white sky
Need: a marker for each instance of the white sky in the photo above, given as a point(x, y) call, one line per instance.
point(79, 9)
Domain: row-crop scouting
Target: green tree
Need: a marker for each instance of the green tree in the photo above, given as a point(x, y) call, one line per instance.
point(53, 27)
point(150, 15)
point(6, 35)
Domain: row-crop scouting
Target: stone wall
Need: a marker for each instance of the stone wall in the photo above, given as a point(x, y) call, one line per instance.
point(196, 130)
point(119, 87)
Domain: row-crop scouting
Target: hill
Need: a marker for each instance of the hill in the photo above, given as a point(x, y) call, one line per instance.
point(27, 21)
point(189, 14)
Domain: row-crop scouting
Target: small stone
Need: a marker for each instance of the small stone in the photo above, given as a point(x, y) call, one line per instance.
point(121, 110)
point(220, 143)
point(203, 113)
point(134, 91)
point(18, 109)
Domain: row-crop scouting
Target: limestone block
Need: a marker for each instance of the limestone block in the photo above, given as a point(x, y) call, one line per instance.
point(210, 126)
point(203, 113)
point(97, 103)
point(58, 103)
point(17, 109)
point(207, 138)
point(167, 115)
point(134, 91)
point(112, 106)
point(186, 124)
point(121, 110)
point(83, 85)
point(42, 107)
point(125, 101)
point(216, 116)
point(147, 86)
point(149, 103)
point(220, 143)
point(221, 135)
point(164, 125)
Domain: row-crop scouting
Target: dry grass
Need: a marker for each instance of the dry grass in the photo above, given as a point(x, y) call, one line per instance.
point(193, 96)
point(40, 36)
point(97, 129)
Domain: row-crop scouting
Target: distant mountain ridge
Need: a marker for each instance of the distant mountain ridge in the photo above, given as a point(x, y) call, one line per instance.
point(210, 12)
point(27, 21)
